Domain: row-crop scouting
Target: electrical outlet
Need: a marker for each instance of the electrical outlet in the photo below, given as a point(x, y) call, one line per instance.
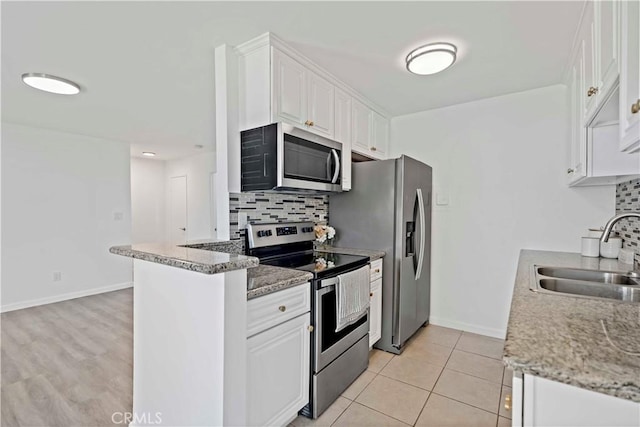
point(57, 276)
point(242, 220)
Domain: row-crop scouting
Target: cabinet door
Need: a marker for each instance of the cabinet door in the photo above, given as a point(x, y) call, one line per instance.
point(550, 403)
point(289, 89)
point(342, 133)
point(607, 17)
point(578, 156)
point(361, 129)
point(321, 106)
point(590, 87)
point(630, 77)
point(278, 372)
point(375, 312)
point(380, 136)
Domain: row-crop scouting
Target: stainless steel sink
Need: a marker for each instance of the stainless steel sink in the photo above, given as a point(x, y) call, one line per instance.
point(619, 278)
point(617, 285)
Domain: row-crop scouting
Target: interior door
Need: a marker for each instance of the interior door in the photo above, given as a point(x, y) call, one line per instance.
point(178, 209)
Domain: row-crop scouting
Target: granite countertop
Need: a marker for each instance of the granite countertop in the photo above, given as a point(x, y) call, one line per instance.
point(562, 338)
point(198, 260)
point(373, 255)
point(265, 279)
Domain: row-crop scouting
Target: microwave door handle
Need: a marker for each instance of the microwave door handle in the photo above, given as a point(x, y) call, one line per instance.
point(336, 174)
point(329, 166)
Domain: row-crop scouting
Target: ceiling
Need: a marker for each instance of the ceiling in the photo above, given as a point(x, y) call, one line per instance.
point(147, 68)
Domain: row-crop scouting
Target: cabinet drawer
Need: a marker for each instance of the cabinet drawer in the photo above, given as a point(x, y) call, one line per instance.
point(376, 269)
point(272, 309)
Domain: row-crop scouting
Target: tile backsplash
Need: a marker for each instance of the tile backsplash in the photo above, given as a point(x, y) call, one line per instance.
point(627, 200)
point(275, 207)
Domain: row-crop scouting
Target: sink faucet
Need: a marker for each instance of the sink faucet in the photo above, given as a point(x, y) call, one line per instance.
point(609, 227)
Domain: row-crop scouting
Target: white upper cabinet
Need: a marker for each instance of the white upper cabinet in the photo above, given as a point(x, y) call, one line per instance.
point(289, 89)
point(370, 132)
point(301, 97)
point(380, 134)
point(361, 134)
point(589, 46)
point(277, 83)
point(607, 19)
point(321, 108)
point(630, 77)
point(598, 87)
point(578, 155)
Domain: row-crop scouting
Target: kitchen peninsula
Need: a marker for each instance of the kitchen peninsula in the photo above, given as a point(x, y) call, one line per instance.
point(190, 329)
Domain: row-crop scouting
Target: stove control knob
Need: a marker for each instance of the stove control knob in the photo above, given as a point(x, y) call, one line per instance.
point(268, 232)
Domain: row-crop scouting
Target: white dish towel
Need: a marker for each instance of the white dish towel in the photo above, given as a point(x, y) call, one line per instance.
point(352, 296)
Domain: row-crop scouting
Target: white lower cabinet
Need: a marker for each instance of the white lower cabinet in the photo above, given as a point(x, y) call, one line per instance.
point(278, 361)
point(542, 402)
point(375, 303)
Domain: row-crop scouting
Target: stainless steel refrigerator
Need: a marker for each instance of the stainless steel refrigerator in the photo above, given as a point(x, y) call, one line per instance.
point(389, 209)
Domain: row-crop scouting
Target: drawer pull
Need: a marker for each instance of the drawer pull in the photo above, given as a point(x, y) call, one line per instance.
point(507, 402)
point(377, 270)
point(310, 328)
point(635, 108)
point(370, 294)
point(282, 308)
point(592, 91)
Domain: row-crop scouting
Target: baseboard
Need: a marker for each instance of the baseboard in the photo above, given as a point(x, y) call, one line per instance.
point(468, 327)
point(63, 297)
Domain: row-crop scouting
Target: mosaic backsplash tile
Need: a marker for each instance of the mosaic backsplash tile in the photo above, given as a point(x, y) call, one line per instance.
point(275, 207)
point(627, 200)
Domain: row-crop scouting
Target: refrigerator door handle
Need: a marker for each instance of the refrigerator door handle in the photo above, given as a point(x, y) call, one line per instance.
point(422, 234)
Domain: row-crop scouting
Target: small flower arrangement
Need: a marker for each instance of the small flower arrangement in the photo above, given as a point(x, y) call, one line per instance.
point(322, 264)
point(324, 233)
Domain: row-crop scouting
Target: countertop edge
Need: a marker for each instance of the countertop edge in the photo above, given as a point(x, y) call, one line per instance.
point(242, 261)
point(279, 285)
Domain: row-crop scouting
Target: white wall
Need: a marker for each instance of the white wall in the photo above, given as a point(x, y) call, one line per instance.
point(61, 195)
point(148, 205)
point(200, 202)
point(503, 162)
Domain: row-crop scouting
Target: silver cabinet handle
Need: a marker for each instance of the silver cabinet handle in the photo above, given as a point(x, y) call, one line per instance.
point(282, 308)
point(570, 170)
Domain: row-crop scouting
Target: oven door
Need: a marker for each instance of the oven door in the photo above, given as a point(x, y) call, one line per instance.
point(330, 344)
point(308, 161)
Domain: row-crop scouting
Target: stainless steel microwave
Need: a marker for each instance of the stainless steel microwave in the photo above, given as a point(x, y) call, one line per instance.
point(281, 157)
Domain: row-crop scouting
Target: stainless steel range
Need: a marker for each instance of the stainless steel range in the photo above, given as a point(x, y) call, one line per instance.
point(337, 358)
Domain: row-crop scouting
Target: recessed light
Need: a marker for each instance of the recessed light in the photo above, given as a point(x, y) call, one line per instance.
point(431, 58)
point(50, 83)
point(148, 153)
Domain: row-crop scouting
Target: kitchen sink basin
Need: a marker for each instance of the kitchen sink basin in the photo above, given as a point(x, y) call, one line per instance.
point(578, 282)
point(619, 278)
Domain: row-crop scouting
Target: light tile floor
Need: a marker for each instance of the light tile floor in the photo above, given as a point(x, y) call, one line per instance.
point(445, 377)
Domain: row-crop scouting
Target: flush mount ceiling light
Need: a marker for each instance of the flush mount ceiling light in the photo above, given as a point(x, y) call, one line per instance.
point(50, 83)
point(431, 58)
point(148, 154)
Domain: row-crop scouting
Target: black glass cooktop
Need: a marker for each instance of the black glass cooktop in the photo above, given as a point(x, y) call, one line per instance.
point(318, 263)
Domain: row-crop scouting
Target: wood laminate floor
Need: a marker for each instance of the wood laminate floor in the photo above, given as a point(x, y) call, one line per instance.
point(68, 363)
